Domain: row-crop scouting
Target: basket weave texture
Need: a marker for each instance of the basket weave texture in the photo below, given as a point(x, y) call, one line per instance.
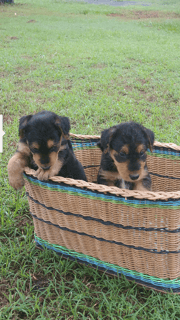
point(120, 231)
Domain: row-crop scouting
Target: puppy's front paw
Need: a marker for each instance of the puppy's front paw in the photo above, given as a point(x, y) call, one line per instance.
point(15, 173)
point(38, 171)
point(40, 174)
point(16, 181)
point(46, 174)
point(43, 174)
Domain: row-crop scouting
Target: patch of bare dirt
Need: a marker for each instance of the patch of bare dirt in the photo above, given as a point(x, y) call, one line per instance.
point(99, 66)
point(7, 119)
point(135, 15)
point(4, 286)
point(70, 66)
point(26, 57)
point(31, 21)
point(14, 38)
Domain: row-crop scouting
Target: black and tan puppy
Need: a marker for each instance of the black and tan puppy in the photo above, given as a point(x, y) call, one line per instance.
point(44, 145)
point(123, 161)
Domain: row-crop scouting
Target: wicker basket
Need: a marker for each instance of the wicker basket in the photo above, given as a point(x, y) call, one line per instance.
point(119, 231)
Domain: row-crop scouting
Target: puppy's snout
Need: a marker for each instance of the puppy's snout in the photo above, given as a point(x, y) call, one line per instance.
point(45, 168)
point(134, 176)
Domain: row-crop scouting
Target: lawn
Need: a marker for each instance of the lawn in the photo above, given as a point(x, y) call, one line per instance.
point(99, 65)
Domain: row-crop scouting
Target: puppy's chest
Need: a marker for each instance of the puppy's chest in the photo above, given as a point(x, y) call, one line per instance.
point(120, 183)
point(109, 173)
point(124, 184)
point(113, 178)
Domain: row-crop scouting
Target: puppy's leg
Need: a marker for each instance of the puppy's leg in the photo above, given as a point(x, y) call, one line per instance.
point(109, 178)
point(16, 166)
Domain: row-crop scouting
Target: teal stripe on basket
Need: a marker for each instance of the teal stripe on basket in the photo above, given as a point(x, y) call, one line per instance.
point(156, 151)
point(154, 281)
point(172, 204)
point(86, 145)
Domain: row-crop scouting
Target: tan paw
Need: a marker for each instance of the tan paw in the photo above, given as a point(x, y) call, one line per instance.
point(38, 171)
point(43, 175)
point(17, 181)
point(15, 173)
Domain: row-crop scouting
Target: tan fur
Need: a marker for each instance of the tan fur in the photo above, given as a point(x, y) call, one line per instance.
point(123, 185)
point(35, 145)
point(53, 155)
point(123, 169)
point(63, 147)
point(110, 175)
point(139, 186)
point(125, 149)
point(16, 166)
point(142, 172)
point(23, 156)
point(23, 148)
point(140, 148)
point(50, 143)
point(58, 122)
point(53, 158)
point(21, 132)
point(46, 174)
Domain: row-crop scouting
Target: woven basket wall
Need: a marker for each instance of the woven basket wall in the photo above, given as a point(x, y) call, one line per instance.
point(121, 231)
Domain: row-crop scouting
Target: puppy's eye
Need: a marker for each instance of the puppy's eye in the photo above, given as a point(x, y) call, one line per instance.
point(142, 153)
point(34, 150)
point(122, 154)
point(53, 149)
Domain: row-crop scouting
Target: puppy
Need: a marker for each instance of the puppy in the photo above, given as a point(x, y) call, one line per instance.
point(44, 145)
point(123, 161)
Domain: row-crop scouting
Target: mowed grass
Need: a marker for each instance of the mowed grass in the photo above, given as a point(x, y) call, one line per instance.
point(99, 66)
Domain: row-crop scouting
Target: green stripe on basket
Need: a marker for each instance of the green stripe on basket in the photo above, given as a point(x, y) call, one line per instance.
point(81, 256)
point(84, 148)
point(74, 193)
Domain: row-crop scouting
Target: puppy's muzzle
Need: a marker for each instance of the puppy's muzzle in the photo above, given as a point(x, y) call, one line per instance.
point(134, 176)
point(45, 168)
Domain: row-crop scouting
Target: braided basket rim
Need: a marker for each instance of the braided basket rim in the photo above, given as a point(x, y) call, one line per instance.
point(156, 143)
point(148, 195)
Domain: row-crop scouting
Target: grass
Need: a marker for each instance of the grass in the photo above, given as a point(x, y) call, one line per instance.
point(98, 65)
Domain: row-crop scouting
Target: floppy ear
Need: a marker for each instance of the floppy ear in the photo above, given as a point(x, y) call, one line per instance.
point(22, 125)
point(63, 124)
point(150, 137)
point(106, 136)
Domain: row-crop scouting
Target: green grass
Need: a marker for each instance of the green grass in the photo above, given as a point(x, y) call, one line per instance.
point(99, 66)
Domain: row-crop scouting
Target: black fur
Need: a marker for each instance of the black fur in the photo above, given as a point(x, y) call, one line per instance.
point(44, 146)
point(131, 135)
point(47, 125)
point(72, 168)
point(43, 126)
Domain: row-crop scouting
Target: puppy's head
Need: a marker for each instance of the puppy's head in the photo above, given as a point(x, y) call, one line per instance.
point(43, 133)
point(127, 144)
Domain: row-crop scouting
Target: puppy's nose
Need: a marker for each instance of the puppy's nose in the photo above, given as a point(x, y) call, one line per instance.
point(46, 168)
point(134, 176)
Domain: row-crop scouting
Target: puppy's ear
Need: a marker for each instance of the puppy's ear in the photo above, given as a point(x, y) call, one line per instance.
point(22, 125)
point(150, 138)
point(106, 137)
point(63, 124)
